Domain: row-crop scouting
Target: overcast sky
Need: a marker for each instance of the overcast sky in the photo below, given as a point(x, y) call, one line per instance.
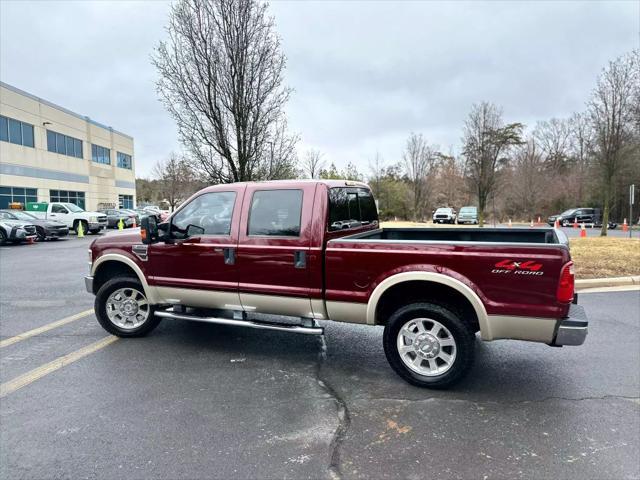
point(365, 73)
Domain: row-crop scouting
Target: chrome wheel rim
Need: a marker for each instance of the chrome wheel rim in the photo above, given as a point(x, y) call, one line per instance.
point(127, 308)
point(426, 347)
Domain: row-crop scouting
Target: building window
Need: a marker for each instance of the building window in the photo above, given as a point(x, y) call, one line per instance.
point(67, 196)
point(125, 201)
point(15, 131)
point(17, 194)
point(63, 144)
point(100, 154)
point(124, 160)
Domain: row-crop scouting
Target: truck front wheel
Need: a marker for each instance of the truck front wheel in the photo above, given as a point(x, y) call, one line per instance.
point(122, 308)
point(428, 345)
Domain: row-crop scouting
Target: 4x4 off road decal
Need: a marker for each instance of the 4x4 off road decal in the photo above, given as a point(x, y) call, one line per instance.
point(527, 267)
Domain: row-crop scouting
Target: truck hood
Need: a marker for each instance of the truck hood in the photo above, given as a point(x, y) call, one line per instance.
point(117, 238)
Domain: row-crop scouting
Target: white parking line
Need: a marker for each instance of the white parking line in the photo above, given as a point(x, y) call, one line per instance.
point(44, 328)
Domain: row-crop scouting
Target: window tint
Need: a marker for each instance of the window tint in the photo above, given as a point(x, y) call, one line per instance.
point(100, 154)
point(210, 211)
point(4, 129)
point(15, 131)
point(58, 209)
point(351, 207)
point(124, 160)
point(27, 135)
point(276, 213)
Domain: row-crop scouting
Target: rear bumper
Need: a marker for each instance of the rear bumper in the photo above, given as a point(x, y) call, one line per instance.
point(573, 329)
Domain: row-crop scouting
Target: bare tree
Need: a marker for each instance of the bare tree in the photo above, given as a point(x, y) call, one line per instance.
point(613, 113)
point(554, 139)
point(221, 78)
point(486, 141)
point(529, 178)
point(419, 163)
point(312, 164)
point(581, 151)
point(175, 180)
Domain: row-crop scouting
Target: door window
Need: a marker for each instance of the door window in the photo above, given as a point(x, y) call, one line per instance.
point(275, 213)
point(211, 212)
point(58, 209)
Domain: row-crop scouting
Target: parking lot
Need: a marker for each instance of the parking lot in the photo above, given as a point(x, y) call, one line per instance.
point(196, 400)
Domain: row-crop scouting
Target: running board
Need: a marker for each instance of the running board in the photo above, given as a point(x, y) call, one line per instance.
point(169, 313)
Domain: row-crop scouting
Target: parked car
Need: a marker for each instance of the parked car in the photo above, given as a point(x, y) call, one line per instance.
point(444, 215)
point(128, 217)
point(45, 229)
point(70, 214)
point(468, 215)
point(161, 214)
point(143, 212)
point(16, 231)
point(232, 254)
point(587, 216)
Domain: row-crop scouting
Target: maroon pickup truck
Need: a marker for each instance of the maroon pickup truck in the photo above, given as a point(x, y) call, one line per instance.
point(283, 255)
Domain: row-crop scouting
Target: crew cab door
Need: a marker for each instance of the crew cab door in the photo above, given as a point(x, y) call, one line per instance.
point(274, 249)
point(198, 267)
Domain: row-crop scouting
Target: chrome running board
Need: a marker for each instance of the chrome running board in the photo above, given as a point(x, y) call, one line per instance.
point(169, 313)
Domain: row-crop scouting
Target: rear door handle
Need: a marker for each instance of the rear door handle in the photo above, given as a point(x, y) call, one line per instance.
point(229, 255)
point(300, 259)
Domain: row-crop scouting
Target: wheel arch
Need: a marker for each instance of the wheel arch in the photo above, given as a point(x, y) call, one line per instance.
point(111, 264)
point(439, 285)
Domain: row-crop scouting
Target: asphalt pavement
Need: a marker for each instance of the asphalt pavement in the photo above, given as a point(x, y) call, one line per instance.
point(204, 401)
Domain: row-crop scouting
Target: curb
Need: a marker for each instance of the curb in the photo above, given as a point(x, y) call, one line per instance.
point(607, 282)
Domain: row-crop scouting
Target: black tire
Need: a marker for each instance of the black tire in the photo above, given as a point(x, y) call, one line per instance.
point(3, 237)
point(41, 234)
point(100, 307)
point(461, 332)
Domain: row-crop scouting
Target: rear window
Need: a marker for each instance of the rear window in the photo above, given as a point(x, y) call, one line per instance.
point(350, 208)
point(275, 213)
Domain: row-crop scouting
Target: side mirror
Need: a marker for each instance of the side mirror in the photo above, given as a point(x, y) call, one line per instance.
point(148, 230)
point(193, 230)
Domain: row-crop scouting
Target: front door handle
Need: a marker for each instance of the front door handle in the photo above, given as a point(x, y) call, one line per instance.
point(229, 255)
point(300, 259)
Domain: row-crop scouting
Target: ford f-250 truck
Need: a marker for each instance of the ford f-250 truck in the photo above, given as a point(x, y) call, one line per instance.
point(251, 254)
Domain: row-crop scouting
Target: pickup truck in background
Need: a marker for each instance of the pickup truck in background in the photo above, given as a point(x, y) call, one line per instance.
point(70, 214)
point(251, 254)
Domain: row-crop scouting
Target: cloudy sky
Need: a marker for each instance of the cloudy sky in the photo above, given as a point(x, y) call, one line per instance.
point(365, 73)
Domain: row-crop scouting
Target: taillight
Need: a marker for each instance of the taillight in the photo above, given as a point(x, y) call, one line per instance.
point(566, 284)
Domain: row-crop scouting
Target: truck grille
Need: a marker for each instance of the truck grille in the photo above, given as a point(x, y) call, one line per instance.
point(102, 219)
point(442, 216)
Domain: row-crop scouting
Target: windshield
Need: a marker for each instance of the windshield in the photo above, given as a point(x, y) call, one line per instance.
point(568, 212)
point(73, 207)
point(22, 215)
point(443, 210)
point(468, 210)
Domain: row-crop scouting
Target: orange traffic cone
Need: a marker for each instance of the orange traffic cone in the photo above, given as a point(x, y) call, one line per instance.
point(539, 222)
point(625, 227)
point(510, 225)
point(575, 223)
point(583, 231)
point(556, 224)
point(531, 225)
point(134, 223)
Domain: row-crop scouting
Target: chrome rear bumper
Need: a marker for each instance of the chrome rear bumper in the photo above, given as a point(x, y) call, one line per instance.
point(573, 329)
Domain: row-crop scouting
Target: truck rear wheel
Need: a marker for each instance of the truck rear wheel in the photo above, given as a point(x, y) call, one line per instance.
point(122, 308)
point(428, 345)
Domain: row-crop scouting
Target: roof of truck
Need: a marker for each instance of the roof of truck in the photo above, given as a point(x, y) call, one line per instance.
point(293, 183)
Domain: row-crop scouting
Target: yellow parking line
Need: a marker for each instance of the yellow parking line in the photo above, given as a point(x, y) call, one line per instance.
point(39, 372)
point(44, 328)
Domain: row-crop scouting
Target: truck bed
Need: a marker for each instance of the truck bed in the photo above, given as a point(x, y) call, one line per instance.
point(456, 235)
